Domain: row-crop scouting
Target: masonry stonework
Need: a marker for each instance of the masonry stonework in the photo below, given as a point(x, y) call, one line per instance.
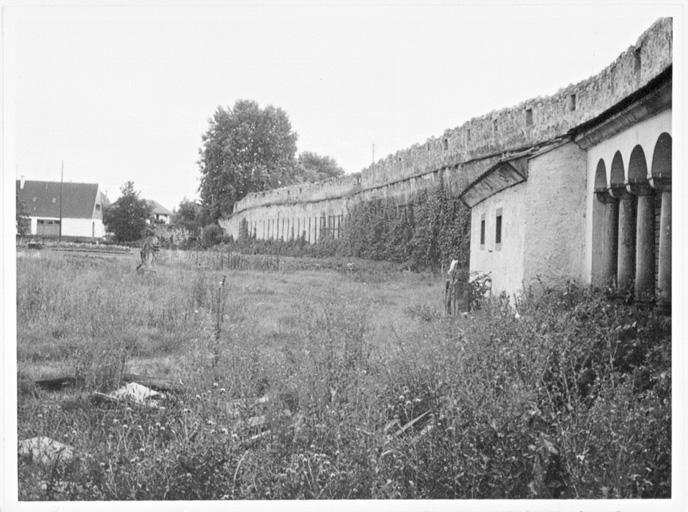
point(557, 228)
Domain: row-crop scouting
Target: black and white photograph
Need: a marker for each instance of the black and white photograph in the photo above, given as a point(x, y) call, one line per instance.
point(390, 255)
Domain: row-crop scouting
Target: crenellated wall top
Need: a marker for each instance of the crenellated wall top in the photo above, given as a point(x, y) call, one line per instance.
point(532, 122)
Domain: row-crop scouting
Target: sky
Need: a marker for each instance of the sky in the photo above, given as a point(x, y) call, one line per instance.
point(125, 93)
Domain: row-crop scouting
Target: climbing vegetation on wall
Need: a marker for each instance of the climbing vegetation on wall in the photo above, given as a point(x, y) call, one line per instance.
point(430, 230)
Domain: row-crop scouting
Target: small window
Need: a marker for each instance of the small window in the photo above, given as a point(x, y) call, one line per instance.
point(529, 116)
point(97, 207)
point(498, 229)
point(572, 102)
point(482, 232)
point(495, 126)
point(468, 135)
point(446, 144)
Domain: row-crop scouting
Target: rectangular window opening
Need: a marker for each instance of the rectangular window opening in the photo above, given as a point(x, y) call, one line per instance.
point(498, 229)
point(572, 102)
point(482, 233)
point(529, 116)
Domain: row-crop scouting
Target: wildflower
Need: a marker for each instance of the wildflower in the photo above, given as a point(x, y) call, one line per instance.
point(162, 428)
point(115, 421)
point(102, 464)
point(215, 384)
point(198, 397)
point(224, 431)
point(222, 390)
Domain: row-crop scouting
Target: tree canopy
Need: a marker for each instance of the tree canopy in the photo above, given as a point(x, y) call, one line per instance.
point(313, 167)
point(188, 215)
point(246, 149)
point(127, 217)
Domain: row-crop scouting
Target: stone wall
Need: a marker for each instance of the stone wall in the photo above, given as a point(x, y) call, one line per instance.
point(460, 155)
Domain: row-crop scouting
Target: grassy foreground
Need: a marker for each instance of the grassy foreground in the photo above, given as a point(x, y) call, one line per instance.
point(373, 393)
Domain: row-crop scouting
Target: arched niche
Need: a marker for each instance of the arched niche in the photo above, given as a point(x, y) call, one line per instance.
point(618, 175)
point(637, 166)
point(601, 177)
point(661, 157)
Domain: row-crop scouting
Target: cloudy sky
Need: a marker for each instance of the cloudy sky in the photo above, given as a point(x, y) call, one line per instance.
point(124, 93)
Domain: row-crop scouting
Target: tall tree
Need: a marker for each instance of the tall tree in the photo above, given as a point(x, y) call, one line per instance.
point(313, 167)
point(127, 217)
point(246, 149)
point(188, 216)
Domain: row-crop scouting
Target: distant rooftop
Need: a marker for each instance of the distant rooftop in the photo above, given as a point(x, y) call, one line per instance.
point(42, 198)
point(158, 209)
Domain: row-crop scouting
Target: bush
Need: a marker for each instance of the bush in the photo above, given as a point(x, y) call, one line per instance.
point(211, 235)
point(566, 394)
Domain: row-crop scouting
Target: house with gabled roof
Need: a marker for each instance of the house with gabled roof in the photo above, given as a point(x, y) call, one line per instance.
point(161, 215)
point(76, 207)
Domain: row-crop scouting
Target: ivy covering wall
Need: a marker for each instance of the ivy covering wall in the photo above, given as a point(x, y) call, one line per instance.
point(430, 230)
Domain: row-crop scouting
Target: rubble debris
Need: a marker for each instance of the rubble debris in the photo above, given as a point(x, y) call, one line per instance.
point(46, 451)
point(58, 383)
point(137, 393)
point(156, 383)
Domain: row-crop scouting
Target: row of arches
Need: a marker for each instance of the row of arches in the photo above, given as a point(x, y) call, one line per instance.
point(635, 235)
point(310, 228)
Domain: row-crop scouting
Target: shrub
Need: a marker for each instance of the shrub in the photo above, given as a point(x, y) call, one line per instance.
point(211, 235)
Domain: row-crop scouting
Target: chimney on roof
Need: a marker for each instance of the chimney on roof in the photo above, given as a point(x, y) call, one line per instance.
point(21, 182)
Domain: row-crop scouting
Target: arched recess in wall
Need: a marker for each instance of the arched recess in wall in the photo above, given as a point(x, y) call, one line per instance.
point(661, 157)
point(637, 166)
point(617, 176)
point(601, 177)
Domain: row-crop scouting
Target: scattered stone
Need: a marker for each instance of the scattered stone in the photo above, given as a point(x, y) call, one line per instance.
point(44, 450)
point(137, 393)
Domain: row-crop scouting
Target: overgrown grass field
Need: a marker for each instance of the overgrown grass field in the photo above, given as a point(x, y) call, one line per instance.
point(371, 391)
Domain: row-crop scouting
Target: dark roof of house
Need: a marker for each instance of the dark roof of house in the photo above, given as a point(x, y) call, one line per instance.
point(158, 208)
point(42, 199)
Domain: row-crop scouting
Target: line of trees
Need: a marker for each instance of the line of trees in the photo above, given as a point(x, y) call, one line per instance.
point(245, 149)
